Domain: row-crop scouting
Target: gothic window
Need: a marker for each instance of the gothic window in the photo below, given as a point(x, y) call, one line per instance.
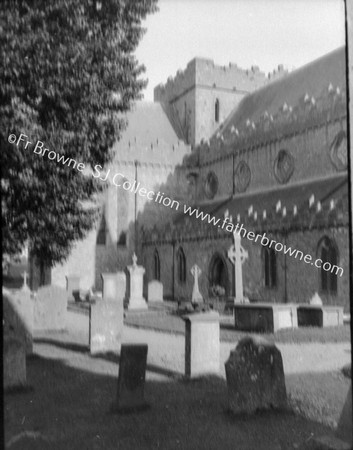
point(181, 265)
point(284, 166)
point(157, 266)
point(327, 252)
point(122, 239)
point(242, 177)
point(216, 111)
point(102, 232)
point(270, 267)
point(211, 185)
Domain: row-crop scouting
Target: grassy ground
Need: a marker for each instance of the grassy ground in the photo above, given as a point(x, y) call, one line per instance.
point(171, 323)
point(69, 408)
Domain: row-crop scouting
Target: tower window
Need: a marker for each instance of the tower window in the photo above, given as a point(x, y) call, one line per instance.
point(270, 267)
point(216, 111)
point(157, 266)
point(327, 252)
point(181, 265)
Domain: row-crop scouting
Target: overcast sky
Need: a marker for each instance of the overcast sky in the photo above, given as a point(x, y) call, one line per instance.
point(246, 32)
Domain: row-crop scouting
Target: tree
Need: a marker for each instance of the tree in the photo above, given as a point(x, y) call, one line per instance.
point(68, 73)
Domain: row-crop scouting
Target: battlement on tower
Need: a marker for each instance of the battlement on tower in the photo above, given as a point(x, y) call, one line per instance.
point(202, 72)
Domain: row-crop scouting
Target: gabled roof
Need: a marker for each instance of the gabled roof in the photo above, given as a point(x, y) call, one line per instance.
point(311, 79)
point(148, 123)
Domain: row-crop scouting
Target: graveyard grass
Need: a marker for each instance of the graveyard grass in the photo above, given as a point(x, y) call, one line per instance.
point(69, 408)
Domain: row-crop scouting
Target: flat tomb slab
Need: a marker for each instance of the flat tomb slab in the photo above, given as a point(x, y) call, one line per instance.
point(319, 316)
point(264, 317)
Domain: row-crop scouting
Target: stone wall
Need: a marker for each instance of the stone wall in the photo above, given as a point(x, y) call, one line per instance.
point(310, 150)
point(296, 281)
point(192, 93)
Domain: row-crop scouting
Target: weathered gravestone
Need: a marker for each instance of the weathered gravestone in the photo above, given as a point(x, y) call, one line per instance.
point(121, 286)
point(131, 381)
point(109, 286)
point(105, 326)
point(18, 317)
point(155, 291)
point(201, 344)
point(136, 300)
point(255, 376)
point(14, 363)
point(50, 308)
point(72, 285)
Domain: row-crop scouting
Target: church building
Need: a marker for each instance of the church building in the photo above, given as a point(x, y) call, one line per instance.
point(236, 147)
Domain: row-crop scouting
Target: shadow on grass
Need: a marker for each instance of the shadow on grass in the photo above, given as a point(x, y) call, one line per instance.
point(71, 408)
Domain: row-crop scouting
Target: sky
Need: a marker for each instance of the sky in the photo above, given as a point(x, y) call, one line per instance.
point(265, 33)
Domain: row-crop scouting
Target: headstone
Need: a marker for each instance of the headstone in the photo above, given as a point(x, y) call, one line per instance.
point(105, 326)
point(136, 300)
point(237, 254)
point(255, 376)
point(155, 291)
point(121, 286)
point(14, 363)
point(202, 346)
point(131, 381)
point(50, 308)
point(25, 287)
point(344, 428)
point(18, 317)
point(264, 317)
point(196, 295)
point(72, 285)
point(109, 286)
point(319, 316)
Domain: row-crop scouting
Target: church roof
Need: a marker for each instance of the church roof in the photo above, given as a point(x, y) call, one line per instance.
point(148, 124)
point(313, 203)
point(311, 79)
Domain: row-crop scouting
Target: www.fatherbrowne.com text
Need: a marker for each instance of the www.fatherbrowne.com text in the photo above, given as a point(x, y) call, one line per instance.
point(119, 180)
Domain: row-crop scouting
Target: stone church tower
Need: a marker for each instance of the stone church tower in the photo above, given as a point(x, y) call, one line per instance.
point(199, 99)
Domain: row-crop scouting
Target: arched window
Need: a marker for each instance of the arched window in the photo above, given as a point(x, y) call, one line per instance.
point(327, 252)
point(157, 266)
point(270, 267)
point(216, 111)
point(181, 265)
point(102, 232)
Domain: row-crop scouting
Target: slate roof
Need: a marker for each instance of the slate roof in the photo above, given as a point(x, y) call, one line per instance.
point(322, 190)
point(311, 79)
point(147, 122)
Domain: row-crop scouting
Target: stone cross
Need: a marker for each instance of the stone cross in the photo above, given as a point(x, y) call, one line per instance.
point(25, 287)
point(196, 294)
point(237, 254)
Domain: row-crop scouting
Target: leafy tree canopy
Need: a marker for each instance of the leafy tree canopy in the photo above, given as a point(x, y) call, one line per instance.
point(68, 72)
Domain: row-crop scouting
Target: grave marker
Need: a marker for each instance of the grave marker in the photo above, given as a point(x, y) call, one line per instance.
point(106, 326)
point(50, 308)
point(255, 376)
point(201, 344)
point(155, 291)
point(196, 294)
point(14, 363)
point(18, 317)
point(237, 254)
point(131, 381)
point(72, 285)
point(136, 300)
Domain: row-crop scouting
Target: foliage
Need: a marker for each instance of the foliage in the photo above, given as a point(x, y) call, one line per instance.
point(68, 72)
